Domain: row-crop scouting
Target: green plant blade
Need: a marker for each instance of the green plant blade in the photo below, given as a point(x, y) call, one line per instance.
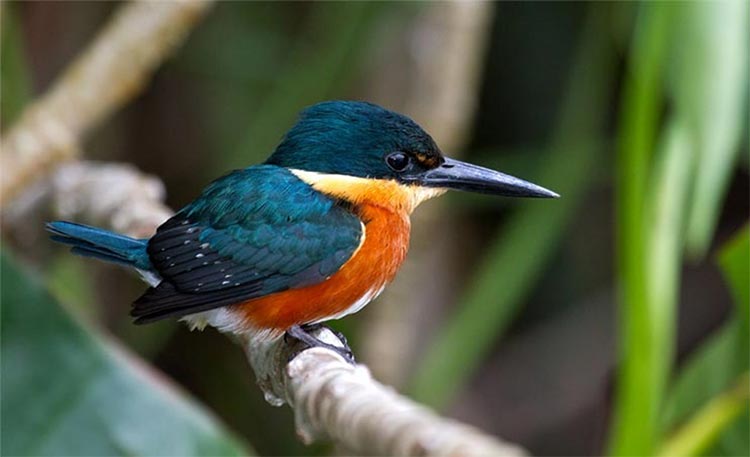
point(14, 78)
point(706, 374)
point(644, 375)
point(66, 391)
point(697, 435)
point(734, 260)
point(640, 379)
point(712, 88)
point(650, 242)
point(714, 366)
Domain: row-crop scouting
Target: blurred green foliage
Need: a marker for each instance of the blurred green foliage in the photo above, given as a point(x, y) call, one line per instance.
point(716, 367)
point(707, 425)
point(709, 85)
point(68, 391)
point(642, 370)
point(14, 79)
point(735, 263)
point(662, 163)
point(269, 83)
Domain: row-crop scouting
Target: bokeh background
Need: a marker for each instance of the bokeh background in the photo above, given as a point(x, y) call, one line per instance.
point(602, 322)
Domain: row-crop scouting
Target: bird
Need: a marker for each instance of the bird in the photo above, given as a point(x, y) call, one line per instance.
point(313, 234)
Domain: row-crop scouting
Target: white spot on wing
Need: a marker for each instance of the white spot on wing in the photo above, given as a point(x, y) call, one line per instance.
point(153, 279)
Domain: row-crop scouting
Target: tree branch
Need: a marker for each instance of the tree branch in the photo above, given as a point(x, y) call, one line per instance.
point(110, 72)
point(335, 400)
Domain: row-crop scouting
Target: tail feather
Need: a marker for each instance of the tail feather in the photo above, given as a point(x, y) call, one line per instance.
point(101, 244)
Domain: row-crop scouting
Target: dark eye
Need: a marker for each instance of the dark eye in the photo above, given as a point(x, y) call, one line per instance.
point(398, 161)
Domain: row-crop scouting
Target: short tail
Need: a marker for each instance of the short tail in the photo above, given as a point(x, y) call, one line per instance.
point(101, 244)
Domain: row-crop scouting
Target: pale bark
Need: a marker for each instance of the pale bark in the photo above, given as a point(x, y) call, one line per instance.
point(341, 402)
point(109, 73)
point(115, 196)
point(431, 74)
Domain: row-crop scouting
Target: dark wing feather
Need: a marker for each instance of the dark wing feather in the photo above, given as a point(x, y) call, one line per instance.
point(252, 233)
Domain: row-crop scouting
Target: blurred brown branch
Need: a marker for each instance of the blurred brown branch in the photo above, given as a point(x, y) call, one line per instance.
point(116, 196)
point(335, 400)
point(113, 69)
point(435, 81)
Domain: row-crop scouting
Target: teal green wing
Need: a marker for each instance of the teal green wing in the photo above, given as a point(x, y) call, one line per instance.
point(251, 233)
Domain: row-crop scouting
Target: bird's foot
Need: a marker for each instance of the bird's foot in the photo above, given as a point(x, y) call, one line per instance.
point(306, 334)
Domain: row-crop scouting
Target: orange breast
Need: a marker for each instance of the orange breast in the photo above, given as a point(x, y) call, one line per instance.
point(370, 268)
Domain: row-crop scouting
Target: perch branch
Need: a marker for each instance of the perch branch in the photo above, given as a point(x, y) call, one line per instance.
point(113, 69)
point(335, 400)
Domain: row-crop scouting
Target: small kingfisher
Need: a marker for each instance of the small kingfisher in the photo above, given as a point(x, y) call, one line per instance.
point(313, 234)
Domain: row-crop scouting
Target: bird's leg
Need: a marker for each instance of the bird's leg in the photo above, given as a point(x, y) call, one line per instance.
point(305, 335)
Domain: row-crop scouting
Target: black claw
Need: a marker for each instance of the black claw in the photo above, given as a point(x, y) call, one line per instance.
point(303, 334)
point(341, 337)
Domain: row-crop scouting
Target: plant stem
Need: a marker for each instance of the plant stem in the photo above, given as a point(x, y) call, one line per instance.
point(641, 378)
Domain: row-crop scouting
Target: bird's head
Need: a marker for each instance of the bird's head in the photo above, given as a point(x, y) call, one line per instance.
point(359, 152)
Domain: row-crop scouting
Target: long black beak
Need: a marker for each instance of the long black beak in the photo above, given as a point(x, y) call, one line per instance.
point(454, 174)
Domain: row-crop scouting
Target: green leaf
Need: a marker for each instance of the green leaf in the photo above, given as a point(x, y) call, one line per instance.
point(734, 260)
point(516, 258)
point(706, 46)
point(644, 379)
point(697, 435)
point(706, 374)
point(709, 372)
point(645, 307)
point(68, 391)
point(714, 366)
point(711, 83)
point(14, 79)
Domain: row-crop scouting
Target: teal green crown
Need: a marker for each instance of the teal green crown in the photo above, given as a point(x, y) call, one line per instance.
point(351, 138)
